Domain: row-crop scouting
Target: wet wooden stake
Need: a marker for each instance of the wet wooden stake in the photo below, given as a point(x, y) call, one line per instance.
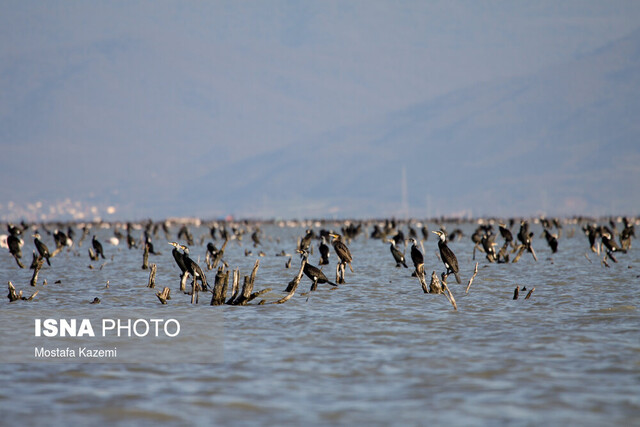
point(234, 286)
point(475, 271)
point(220, 287)
point(183, 281)
point(435, 287)
point(14, 296)
point(530, 292)
point(36, 270)
point(293, 285)
point(447, 292)
point(516, 292)
point(145, 257)
point(521, 249)
point(422, 279)
point(152, 277)
point(164, 295)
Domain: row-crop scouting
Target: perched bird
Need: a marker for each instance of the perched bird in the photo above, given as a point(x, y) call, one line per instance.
point(15, 245)
point(609, 242)
point(255, 236)
point(342, 251)
point(324, 251)
point(314, 273)
point(97, 246)
point(306, 240)
point(61, 239)
point(178, 257)
point(448, 257)
point(552, 240)
point(43, 250)
point(193, 268)
point(397, 255)
point(417, 257)
point(506, 233)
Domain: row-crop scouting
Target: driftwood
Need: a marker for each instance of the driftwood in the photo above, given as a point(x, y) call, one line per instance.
point(247, 293)
point(145, 257)
point(340, 267)
point(475, 271)
point(293, 285)
point(447, 292)
point(220, 287)
point(530, 292)
point(152, 277)
point(164, 295)
point(14, 296)
point(288, 264)
point(516, 292)
point(183, 281)
point(435, 287)
point(93, 255)
point(36, 270)
point(234, 286)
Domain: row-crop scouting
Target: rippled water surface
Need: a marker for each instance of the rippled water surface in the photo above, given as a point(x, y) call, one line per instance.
point(376, 350)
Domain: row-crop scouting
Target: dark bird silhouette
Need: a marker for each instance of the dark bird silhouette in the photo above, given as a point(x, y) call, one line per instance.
point(43, 250)
point(448, 257)
point(97, 246)
point(193, 268)
point(397, 255)
point(552, 240)
point(609, 242)
point(177, 256)
point(324, 251)
point(314, 273)
point(417, 258)
point(15, 244)
point(306, 240)
point(341, 250)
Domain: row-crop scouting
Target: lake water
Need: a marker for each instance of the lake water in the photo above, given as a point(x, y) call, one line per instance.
point(374, 351)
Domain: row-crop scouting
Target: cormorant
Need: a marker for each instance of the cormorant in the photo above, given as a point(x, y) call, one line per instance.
point(342, 250)
point(397, 255)
point(609, 242)
point(14, 244)
point(448, 257)
point(255, 236)
point(97, 246)
point(178, 257)
point(193, 268)
point(306, 240)
point(314, 273)
point(43, 250)
point(324, 252)
point(552, 240)
point(505, 233)
point(417, 258)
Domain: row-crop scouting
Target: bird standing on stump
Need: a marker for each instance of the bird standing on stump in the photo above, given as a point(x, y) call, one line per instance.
point(342, 250)
point(417, 258)
point(43, 250)
point(448, 257)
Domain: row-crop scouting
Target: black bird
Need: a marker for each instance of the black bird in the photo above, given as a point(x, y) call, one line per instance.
point(448, 257)
point(342, 250)
point(255, 236)
point(61, 239)
point(178, 257)
point(97, 246)
point(609, 242)
point(43, 250)
point(552, 240)
point(324, 252)
point(397, 255)
point(417, 258)
point(506, 234)
point(14, 244)
point(193, 268)
point(306, 240)
point(314, 273)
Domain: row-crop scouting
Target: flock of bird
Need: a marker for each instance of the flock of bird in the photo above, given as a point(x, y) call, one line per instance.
point(601, 237)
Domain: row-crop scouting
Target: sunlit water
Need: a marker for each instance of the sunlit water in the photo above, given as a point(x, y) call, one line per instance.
point(376, 350)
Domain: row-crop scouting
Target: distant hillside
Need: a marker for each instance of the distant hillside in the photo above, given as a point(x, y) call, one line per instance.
point(559, 141)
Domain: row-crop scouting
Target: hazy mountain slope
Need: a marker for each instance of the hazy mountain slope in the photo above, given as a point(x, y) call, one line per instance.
point(562, 140)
